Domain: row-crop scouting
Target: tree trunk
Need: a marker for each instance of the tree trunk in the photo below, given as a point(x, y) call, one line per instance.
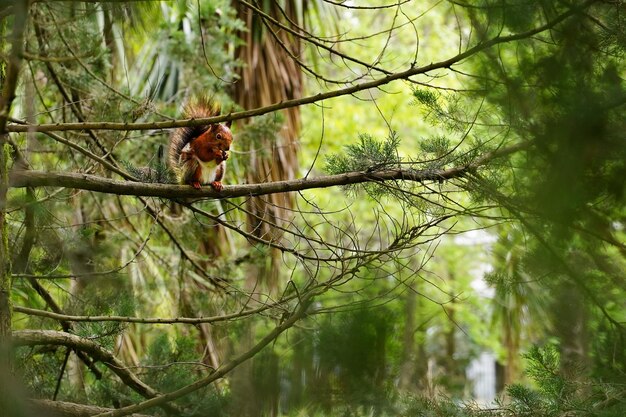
point(269, 76)
point(9, 74)
point(5, 284)
point(511, 343)
point(569, 313)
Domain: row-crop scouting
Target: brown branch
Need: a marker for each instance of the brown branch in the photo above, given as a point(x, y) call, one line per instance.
point(403, 75)
point(149, 320)
point(66, 409)
point(347, 5)
point(21, 178)
point(104, 185)
point(52, 337)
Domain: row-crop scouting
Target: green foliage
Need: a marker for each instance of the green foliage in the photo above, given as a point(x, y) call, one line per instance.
point(174, 365)
point(260, 130)
point(543, 368)
point(36, 368)
point(436, 153)
point(560, 96)
point(157, 172)
point(557, 394)
point(554, 395)
point(561, 91)
point(443, 110)
point(440, 407)
point(108, 295)
point(163, 354)
point(438, 146)
point(369, 154)
point(177, 51)
point(352, 350)
point(427, 98)
point(564, 101)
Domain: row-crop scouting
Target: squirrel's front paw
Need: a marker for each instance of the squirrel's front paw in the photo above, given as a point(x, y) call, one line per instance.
point(196, 185)
point(217, 186)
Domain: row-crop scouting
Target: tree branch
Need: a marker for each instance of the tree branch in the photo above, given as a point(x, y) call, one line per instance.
point(88, 182)
point(52, 337)
point(20, 178)
point(403, 75)
point(66, 409)
point(150, 320)
point(300, 311)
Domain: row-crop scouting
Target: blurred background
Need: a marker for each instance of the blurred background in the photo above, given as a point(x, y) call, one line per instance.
point(492, 286)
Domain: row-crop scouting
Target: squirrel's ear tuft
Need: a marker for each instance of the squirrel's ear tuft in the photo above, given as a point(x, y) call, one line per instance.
point(228, 123)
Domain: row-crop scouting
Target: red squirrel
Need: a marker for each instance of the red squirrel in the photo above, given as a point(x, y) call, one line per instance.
point(198, 154)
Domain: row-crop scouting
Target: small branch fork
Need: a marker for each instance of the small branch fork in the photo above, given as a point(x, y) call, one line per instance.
point(56, 338)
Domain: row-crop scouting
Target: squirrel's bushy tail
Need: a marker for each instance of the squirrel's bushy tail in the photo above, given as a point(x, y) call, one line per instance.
point(198, 108)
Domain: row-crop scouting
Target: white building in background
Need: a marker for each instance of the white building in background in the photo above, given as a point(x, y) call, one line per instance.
point(481, 373)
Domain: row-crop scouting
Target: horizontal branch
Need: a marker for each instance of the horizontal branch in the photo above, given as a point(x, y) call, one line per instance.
point(403, 75)
point(21, 178)
point(147, 320)
point(66, 409)
point(56, 338)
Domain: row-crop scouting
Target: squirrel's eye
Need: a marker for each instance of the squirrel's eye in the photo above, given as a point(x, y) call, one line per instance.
point(219, 136)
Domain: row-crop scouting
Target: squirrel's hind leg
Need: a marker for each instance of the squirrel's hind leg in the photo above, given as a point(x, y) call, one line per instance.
point(219, 174)
point(196, 177)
